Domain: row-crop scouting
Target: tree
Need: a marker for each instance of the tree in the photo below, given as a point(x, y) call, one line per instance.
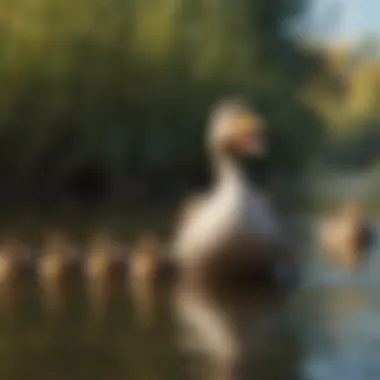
point(126, 84)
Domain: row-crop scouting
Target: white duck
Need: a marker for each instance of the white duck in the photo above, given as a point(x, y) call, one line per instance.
point(232, 226)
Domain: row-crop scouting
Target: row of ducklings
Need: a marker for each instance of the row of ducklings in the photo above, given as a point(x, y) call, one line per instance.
point(344, 237)
point(59, 255)
point(231, 228)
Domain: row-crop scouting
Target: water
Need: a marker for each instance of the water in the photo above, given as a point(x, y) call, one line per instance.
point(328, 329)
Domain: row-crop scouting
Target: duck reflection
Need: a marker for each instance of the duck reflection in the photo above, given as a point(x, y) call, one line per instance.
point(229, 329)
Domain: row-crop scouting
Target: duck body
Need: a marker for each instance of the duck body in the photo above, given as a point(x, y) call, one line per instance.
point(233, 227)
point(232, 217)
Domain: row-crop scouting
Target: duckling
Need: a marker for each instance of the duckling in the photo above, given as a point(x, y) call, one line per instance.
point(11, 259)
point(232, 228)
point(143, 271)
point(346, 236)
point(99, 257)
point(97, 270)
point(56, 256)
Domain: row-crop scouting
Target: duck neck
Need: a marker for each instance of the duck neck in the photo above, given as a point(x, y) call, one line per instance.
point(227, 170)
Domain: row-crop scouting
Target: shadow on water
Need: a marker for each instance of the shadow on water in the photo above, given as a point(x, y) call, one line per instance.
point(328, 329)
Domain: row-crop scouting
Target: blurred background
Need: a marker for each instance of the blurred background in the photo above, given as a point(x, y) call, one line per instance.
point(103, 108)
point(104, 103)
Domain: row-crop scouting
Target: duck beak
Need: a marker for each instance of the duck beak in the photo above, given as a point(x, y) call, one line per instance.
point(248, 137)
point(251, 143)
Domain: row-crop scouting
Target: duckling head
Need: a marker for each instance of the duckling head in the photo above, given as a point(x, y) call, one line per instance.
point(56, 243)
point(101, 244)
point(146, 243)
point(235, 129)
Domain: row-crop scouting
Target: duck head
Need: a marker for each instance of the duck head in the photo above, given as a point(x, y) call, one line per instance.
point(235, 130)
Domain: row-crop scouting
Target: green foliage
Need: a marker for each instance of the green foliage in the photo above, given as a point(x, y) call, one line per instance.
point(344, 92)
point(125, 85)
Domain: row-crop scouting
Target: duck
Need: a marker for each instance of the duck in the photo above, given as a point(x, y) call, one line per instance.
point(97, 269)
point(56, 257)
point(10, 260)
point(99, 258)
point(232, 228)
point(57, 254)
point(143, 271)
point(346, 236)
point(13, 256)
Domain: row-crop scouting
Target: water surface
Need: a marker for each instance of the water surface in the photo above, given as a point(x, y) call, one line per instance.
point(328, 329)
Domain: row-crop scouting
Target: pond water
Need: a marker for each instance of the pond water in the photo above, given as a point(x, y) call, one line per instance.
point(328, 329)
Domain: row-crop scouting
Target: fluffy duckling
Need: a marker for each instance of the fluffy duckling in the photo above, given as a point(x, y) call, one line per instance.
point(12, 256)
point(99, 257)
point(56, 257)
point(97, 269)
point(143, 270)
point(346, 236)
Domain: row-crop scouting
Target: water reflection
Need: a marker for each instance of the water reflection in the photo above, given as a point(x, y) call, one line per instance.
point(328, 330)
point(230, 331)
